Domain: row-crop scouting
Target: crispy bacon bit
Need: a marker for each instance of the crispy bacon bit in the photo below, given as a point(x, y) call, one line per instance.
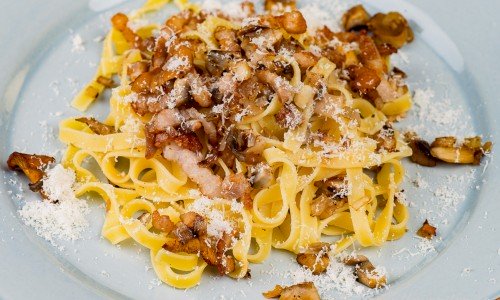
point(96, 126)
point(355, 18)
point(277, 83)
point(363, 79)
point(293, 22)
point(32, 165)
point(315, 257)
point(107, 82)
point(300, 291)
point(427, 230)
point(227, 39)
point(289, 116)
point(368, 276)
point(305, 59)
point(162, 222)
point(209, 183)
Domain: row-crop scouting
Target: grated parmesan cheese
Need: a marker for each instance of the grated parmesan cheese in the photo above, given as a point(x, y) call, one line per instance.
point(77, 44)
point(217, 224)
point(65, 220)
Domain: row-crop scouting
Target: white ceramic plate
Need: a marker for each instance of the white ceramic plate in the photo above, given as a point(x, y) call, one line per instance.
point(455, 54)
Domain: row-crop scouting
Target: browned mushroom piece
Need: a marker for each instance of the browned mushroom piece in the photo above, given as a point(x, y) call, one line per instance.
point(367, 275)
point(469, 152)
point(219, 61)
point(183, 233)
point(305, 59)
point(352, 260)
point(299, 291)
point(386, 139)
point(96, 126)
point(427, 230)
point(32, 165)
point(174, 245)
point(134, 70)
point(272, 5)
point(324, 206)
point(315, 257)
point(227, 39)
point(355, 18)
point(421, 152)
point(363, 79)
point(260, 175)
point(195, 222)
point(289, 116)
point(162, 222)
point(293, 22)
point(391, 28)
point(274, 293)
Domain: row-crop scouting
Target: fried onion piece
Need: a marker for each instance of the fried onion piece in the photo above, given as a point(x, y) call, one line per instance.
point(315, 257)
point(299, 291)
point(427, 230)
point(32, 165)
point(391, 28)
point(96, 126)
point(368, 275)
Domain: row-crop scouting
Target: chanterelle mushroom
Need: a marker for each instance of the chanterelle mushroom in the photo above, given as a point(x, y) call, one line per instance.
point(427, 231)
point(469, 152)
point(300, 291)
point(315, 257)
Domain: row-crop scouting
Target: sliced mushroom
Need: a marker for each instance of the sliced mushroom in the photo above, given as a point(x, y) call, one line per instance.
point(145, 218)
point(324, 206)
point(134, 70)
point(352, 260)
point(280, 85)
point(355, 18)
point(421, 152)
point(97, 127)
point(289, 116)
point(305, 59)
point(391, 28)
point(273, 5)
point(368, 276)
point(260, 175)
point(427, 230)
point(195, 222)
point(386, 139)
point(300, 291)
point(183, 233)
point(32, 165)
point(315, 257)
point(219, 61)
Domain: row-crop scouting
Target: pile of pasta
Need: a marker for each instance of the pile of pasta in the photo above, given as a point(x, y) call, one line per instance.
point(322, 122)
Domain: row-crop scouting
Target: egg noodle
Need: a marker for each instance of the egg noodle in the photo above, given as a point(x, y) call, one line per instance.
point(279, 215)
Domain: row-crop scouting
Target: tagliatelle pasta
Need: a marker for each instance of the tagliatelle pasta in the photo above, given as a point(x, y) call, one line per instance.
point(248, 122)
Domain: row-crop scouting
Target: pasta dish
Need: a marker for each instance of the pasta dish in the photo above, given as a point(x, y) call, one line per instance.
point(229, 135)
